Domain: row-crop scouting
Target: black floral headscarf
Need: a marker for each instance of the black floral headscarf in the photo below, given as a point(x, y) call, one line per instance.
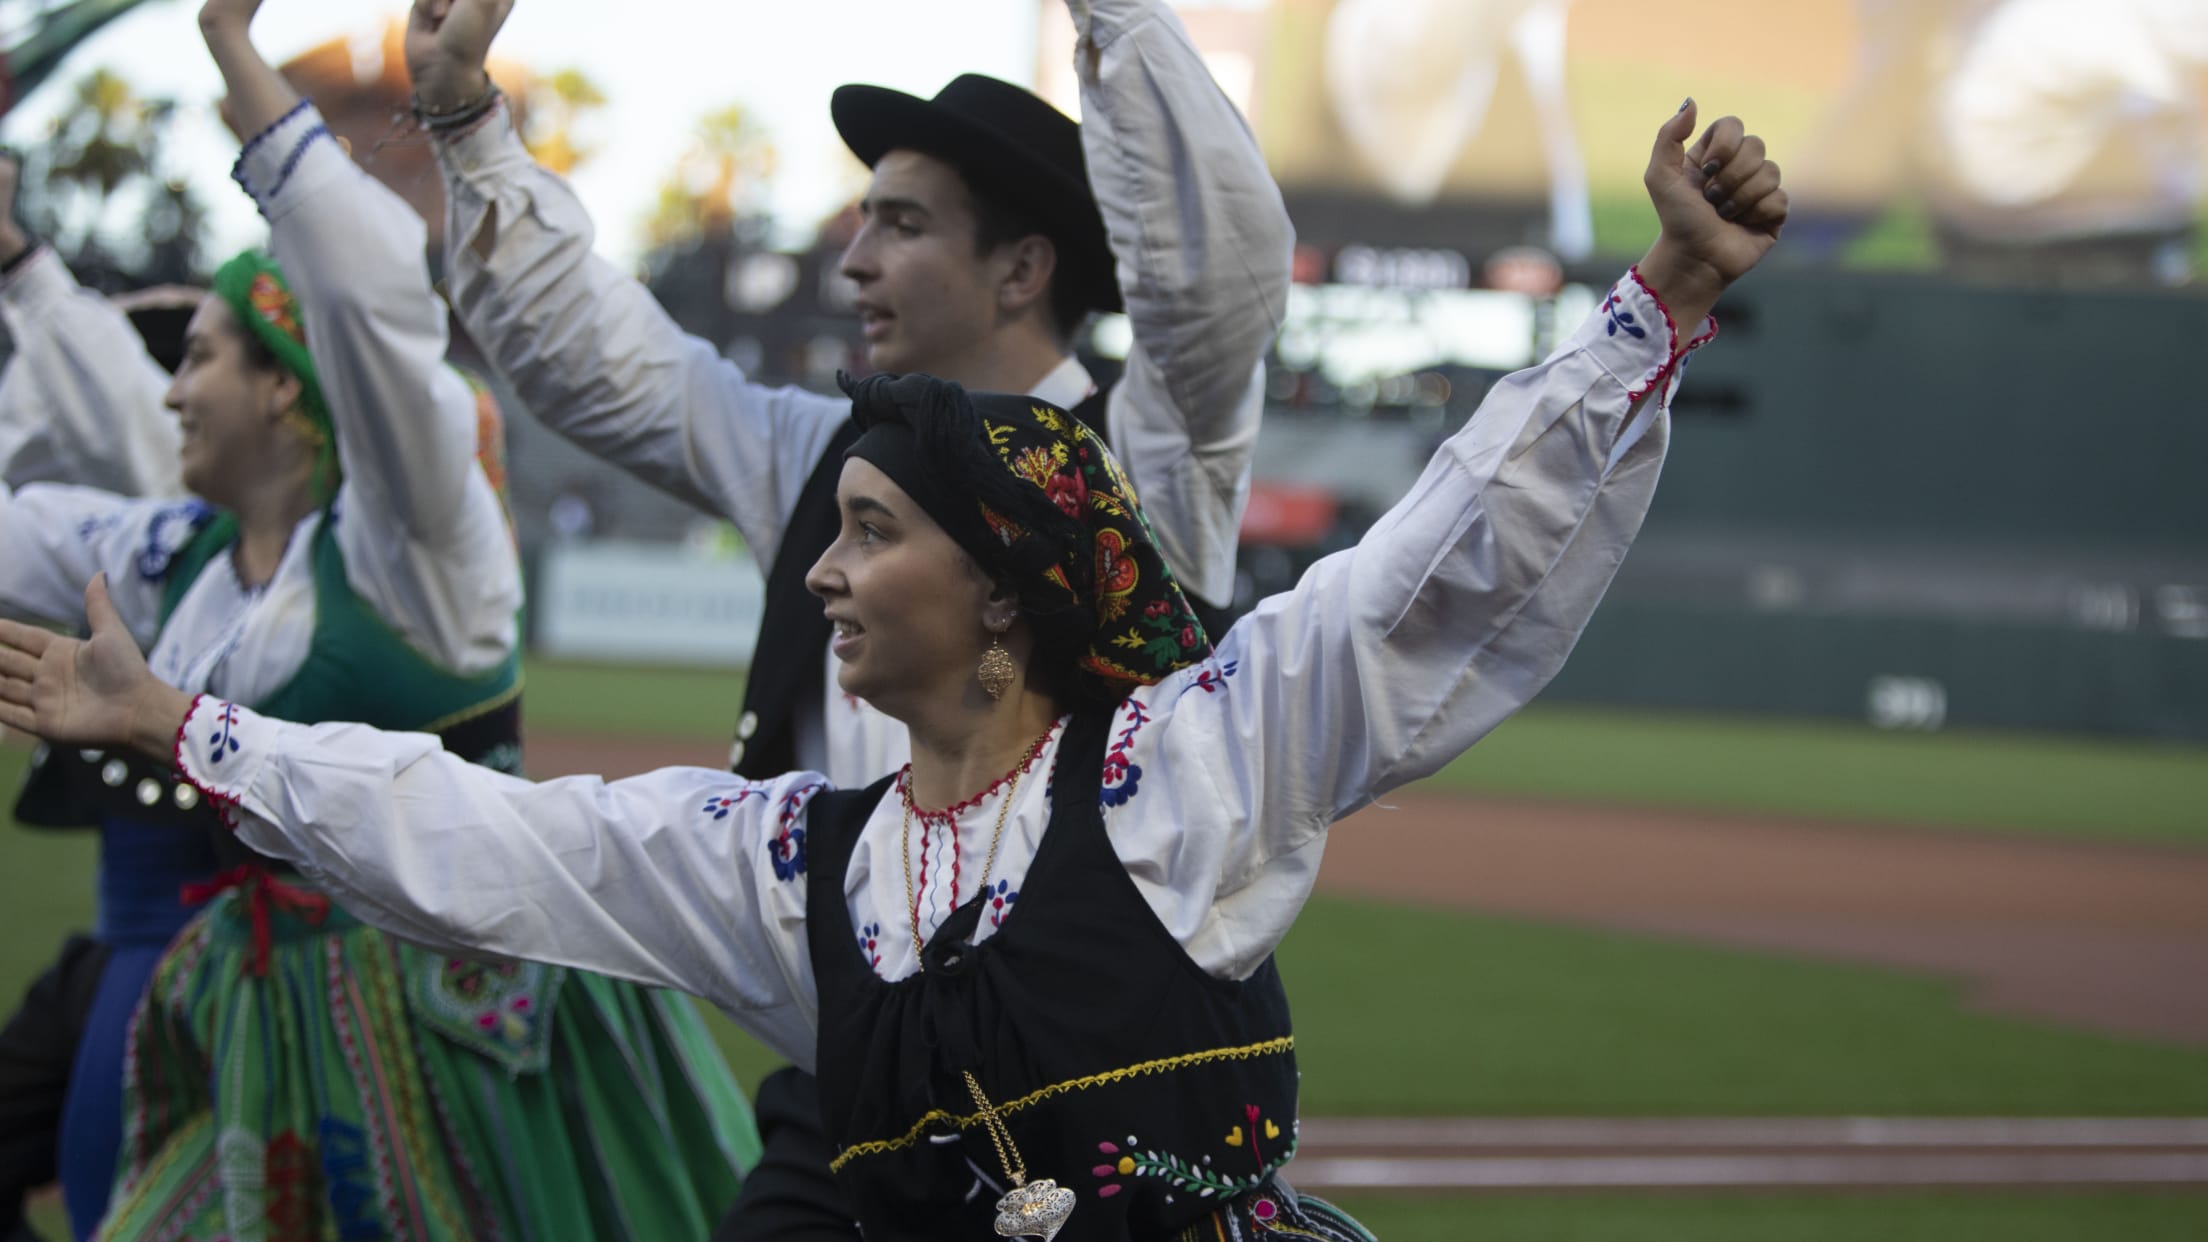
point(1037, 500)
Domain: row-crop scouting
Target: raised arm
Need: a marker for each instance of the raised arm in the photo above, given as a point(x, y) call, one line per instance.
point(81, 400)
point(666, 879)
point(424, 536)
point(582, 342)
point(1203, 246)
point(1392, 658)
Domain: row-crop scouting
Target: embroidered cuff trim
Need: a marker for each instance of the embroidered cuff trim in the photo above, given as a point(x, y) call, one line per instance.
point(298, 152)
point(225, 805)
point(1676, 356)
point(254, 144)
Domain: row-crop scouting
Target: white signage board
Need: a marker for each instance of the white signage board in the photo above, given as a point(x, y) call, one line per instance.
point(647, 603)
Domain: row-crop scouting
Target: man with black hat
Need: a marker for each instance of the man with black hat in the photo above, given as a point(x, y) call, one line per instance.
point(992, 227)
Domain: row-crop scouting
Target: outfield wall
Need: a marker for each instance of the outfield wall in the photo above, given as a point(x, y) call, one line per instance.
point(1927, 504)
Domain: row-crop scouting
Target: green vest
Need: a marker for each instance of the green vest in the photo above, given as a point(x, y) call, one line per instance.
point(360, 670)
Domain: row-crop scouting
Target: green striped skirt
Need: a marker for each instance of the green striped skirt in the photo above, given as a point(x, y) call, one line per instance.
point(324, 1081)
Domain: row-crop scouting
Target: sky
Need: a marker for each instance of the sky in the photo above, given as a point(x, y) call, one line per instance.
point(662, 63)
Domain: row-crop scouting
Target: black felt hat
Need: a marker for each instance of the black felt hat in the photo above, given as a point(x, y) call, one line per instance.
point(1010, 144)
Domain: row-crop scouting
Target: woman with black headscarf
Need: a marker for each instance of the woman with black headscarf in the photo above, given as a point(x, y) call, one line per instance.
point(1033, 968)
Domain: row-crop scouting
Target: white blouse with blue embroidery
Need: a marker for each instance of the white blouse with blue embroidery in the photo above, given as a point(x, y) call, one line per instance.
point(1385, 662)
point(423, 535)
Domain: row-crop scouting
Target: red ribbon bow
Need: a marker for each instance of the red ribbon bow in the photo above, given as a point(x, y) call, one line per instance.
point(263, 893)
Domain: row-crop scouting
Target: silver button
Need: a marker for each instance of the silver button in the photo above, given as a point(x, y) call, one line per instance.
point(735, 754)
point(149, 791)
point(186, 797)
point(746, 725)
point(114, 773)
point(91, 756)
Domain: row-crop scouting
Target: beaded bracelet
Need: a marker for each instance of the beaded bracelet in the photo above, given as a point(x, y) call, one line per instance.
point(458, 118)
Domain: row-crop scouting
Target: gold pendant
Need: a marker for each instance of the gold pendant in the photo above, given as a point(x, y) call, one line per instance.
point(1036, 1209)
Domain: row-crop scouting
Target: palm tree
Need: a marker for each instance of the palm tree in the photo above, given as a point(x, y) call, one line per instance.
point(102, 164)
point(32, 51)
point(551, 108)
point(722, 178)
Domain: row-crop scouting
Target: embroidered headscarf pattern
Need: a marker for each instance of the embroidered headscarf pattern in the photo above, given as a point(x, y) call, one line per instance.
point(253, 287)
point(1060, 520)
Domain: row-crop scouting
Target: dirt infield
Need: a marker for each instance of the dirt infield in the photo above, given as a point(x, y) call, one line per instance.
point(2106, 937)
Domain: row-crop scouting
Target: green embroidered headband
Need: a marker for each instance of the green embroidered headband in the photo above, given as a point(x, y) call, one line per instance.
point(253, 287)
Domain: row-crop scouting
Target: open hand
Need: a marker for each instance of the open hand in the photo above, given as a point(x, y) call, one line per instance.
point(1720, 205)
point(447, 43)
point(220, 15)
point(85, 692)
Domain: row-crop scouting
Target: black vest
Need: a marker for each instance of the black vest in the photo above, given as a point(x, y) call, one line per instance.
point(790, 658)
point(69, 788)
point(1154, 1091)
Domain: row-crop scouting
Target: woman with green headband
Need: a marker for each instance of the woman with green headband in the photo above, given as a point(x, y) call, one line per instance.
point(292, 1072)
point(1034, 968)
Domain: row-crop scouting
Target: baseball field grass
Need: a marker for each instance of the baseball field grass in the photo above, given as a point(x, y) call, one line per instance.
point(2063, 786)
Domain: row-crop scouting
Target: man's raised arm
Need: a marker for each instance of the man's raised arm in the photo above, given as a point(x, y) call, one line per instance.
point(583, 343)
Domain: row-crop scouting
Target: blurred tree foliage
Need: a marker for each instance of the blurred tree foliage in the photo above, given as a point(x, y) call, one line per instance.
point(101, 190)
point(719, 182)
point(553, 108)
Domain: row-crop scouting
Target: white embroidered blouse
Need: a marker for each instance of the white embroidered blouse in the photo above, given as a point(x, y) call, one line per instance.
point(1385, 662)
point(424, 537)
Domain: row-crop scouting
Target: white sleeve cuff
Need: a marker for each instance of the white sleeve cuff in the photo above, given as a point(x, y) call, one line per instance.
point(220, 750)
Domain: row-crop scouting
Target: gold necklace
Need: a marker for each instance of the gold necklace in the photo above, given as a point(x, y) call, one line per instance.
point(996, 835)
point(1037, 1209)
point(904, 842)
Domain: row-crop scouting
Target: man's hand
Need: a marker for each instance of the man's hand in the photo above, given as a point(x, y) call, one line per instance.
point(91, 692)
point(227, 16)
point(1720, 206)
point(447, 43)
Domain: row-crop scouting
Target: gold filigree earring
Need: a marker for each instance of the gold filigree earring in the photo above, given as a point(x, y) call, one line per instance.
point(997, 671)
